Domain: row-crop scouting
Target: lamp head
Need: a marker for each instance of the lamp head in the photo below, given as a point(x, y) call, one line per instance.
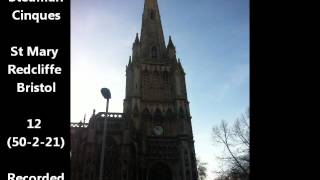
point(106, 93)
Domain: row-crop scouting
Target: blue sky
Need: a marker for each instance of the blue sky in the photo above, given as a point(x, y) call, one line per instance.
point(211, 39)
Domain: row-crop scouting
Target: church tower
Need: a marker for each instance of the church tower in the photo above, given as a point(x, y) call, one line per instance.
point(157, 106)
point(152, 139)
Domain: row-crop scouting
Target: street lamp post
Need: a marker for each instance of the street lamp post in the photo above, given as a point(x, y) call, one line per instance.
point(107, 95)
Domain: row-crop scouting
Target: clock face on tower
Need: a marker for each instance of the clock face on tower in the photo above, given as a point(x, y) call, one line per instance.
point(158, 130)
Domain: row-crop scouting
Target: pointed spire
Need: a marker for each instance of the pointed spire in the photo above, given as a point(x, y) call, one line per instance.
point(170, 44)
point(84, 118)
point(171, 50)
point(137, 39)
point(151, 31)
point(150, 3)
point(93, 114)
point(135, 48)
point(129, 63)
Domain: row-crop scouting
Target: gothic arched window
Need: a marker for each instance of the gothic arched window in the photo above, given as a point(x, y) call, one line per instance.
point(135, 111)
point(165, 76)
point(169, 114)
point(146, 115)
point(154, 53)
point(157, 115)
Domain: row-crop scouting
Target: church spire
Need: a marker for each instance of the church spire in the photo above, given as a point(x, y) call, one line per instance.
point(171, 49)
point(170, 44)
point(136, 41)
point(136, 48)
point(152, 38)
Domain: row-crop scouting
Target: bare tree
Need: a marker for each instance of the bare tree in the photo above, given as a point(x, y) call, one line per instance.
point(202, 169)
point(236, 141)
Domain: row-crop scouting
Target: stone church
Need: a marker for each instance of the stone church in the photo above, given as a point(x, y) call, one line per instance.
point(152, 139)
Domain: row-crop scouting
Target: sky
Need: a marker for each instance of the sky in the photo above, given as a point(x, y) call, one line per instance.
point(211, 39)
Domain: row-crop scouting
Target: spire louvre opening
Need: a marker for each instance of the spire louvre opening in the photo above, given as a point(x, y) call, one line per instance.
point(151, 30)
